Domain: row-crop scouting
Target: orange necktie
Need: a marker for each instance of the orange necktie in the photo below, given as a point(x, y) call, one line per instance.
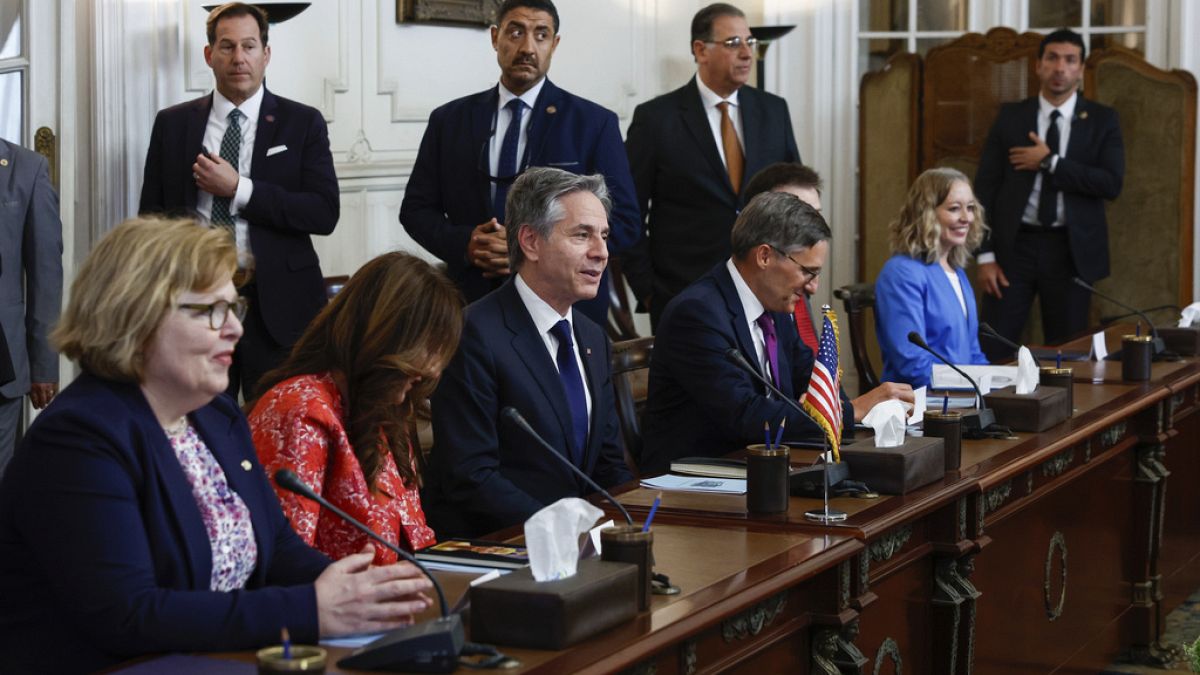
point(734, 160)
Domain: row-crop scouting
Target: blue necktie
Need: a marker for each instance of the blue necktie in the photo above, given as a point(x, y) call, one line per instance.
point(507, 166)
point(1048, 199)
point(572, 383)
point(231, 150)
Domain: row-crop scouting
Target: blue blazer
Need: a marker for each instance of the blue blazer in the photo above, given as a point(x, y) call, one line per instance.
point(911, 295)
point(486, 474)
point(1092, 171)
point(295, 196)
point(699, 404)
point(449, 195)
point(103, 552)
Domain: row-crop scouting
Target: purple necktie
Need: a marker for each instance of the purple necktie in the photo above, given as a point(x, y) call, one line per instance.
point(767, 324)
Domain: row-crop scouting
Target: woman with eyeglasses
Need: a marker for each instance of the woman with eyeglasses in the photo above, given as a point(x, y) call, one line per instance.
point(135, 518)
point(337, 412)
point(923, 287)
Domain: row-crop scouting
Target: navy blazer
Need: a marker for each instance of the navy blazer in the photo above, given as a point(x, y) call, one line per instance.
point(1091, 171)
point(699, 404)
point(683, 188)
point(295, 196)
point(104, 555)
point(485, 473)
point(913, 295)
point(449, 195)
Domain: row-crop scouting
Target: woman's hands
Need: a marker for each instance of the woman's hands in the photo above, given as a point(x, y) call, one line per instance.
point(354, 597)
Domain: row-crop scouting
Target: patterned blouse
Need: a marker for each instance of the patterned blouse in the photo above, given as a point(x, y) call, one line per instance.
point(300, 424)
point(225, 515)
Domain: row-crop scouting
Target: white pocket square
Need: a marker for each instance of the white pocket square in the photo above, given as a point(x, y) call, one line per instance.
point(276, 150)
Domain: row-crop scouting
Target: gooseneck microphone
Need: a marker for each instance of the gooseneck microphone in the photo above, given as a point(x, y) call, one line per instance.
point(734, 356)
point(429, 647)
point(983, 417)
point(1159, 345)
point(988, 331)
point(513, 415)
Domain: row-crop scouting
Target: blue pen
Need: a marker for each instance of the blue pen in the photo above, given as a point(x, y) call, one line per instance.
point(1058, 359)
point(945, 403)
point(286, 639)
point(767, 433)
point(779, 434)
point(653, 510)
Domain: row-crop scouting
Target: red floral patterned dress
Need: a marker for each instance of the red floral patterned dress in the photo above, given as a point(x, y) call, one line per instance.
point(299, 425)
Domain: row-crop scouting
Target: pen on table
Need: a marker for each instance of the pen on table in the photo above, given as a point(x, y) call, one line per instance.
point(1058, 359)
point(945, 403)
point(286, 639)
point(767, 433)
point(779, 434)
point(653, 510)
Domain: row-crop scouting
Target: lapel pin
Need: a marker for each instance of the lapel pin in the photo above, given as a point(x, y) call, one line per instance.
point(4, 161)
point(1083, 115)
point(587, 350)
point(246, 465)
point(270, 118)
point(550, 110)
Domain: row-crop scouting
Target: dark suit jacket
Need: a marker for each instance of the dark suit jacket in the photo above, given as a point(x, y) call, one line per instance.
point(683, 188)
point(698, 403)
point(30, 270)
point(295, 196)
point(104, 555)
point(485, 473)
point(449, 195)
point(1092, 171)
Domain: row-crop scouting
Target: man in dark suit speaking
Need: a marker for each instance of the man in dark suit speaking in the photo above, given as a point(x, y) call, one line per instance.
point(1048, 165)
point(476, 145)
point(693, 150)
point(258, 165)
point(523, 346)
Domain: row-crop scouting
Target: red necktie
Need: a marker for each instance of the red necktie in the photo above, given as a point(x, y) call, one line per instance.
point(804, 324)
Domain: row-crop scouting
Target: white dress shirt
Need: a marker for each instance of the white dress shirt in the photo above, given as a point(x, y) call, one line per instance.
point(710, 99)
point(753, 309)
point(544, 318)
point(214, 133)
point(503, 119)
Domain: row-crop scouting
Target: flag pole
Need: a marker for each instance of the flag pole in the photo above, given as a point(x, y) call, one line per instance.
point(827, 515)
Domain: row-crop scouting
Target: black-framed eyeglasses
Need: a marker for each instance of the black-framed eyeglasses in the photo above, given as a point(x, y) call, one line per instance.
point(809, 272)
point(735, 43)
point(218, 312)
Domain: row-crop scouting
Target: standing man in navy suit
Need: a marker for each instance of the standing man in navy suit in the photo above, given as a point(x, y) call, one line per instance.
point(524, 346)
point(693, 150)
point(1048, 165)
point(260, 166)
point(476, 145)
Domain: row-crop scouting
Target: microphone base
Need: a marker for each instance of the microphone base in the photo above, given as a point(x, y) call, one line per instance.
point(825, 516)
point(978, 419)
point(428, 647)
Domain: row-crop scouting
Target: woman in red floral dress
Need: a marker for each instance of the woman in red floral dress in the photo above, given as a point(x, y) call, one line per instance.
point(337, 412)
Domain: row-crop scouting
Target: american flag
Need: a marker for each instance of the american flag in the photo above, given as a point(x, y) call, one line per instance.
point(823, 400)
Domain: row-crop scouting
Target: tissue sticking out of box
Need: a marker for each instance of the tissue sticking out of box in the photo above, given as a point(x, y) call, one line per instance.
point(552, 537)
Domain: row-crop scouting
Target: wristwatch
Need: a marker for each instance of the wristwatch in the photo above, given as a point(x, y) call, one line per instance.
point(1047, 162)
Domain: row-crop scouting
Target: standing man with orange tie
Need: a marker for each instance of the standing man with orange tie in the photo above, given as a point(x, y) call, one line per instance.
point(691, 152)
point(259, 165)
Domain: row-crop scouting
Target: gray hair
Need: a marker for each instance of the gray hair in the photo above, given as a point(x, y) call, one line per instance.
point(535, 201)
point(780, 220)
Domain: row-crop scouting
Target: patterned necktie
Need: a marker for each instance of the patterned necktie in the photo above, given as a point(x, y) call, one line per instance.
point(572, 383)
point(734, 160)
point(1048, 200)
point(231, 149)
point(767, 323)
point(804, 324)
point(507, 166)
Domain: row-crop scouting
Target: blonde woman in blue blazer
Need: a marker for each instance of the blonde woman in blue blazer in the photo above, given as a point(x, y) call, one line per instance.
point(923, 288)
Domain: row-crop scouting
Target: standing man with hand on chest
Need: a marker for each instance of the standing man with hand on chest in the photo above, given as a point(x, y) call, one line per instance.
point(258, 165)
point(693, 150)
point(1048, 165)
point(475, 146)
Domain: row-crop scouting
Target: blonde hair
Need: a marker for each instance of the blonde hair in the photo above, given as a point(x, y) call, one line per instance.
point(916, 232)
point(129, 282)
